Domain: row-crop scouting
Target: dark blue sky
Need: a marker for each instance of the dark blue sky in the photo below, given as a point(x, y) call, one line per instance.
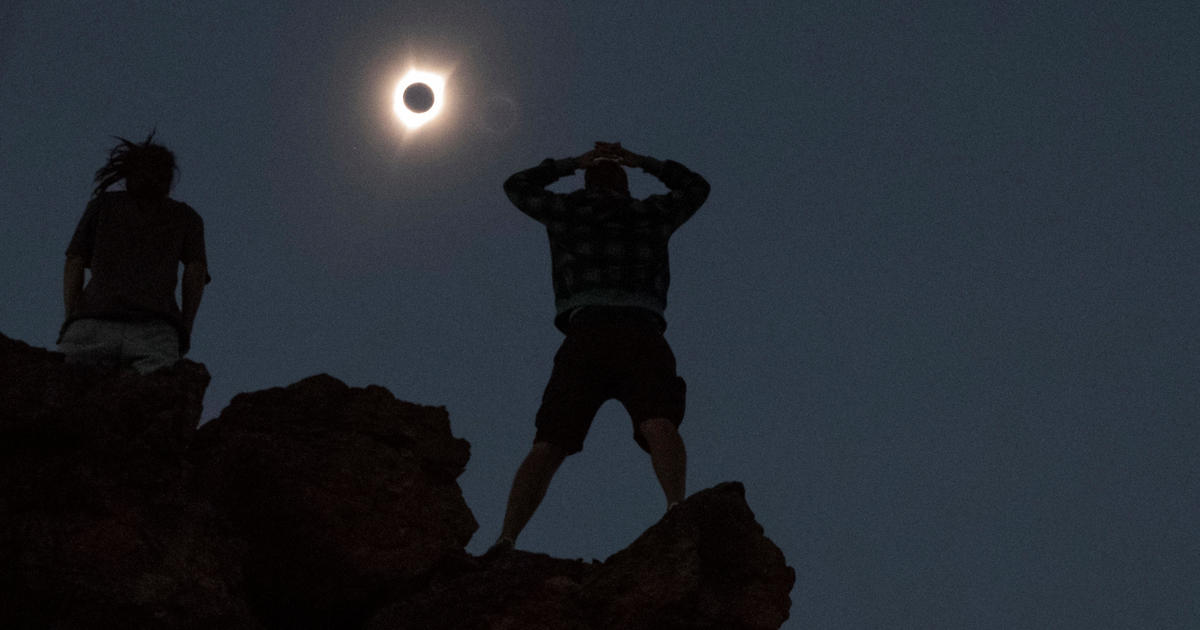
point(939, 313)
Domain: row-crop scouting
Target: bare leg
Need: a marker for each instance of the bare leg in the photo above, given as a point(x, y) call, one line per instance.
point(529, 487)
point(668, 456)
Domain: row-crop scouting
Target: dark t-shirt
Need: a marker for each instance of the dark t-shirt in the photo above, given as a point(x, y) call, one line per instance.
point(134, 249)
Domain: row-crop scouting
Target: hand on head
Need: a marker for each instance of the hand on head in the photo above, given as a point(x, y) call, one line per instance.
point(614, 150)
point(587, 159)
point(609, 151)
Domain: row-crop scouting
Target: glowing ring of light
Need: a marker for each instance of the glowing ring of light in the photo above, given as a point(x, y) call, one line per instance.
point(412, 119)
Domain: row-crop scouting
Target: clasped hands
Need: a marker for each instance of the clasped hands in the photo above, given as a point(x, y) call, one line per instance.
point(609, 151)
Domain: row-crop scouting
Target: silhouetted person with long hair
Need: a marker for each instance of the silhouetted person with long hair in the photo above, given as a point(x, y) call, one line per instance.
point(608, 255)
point(133, 241)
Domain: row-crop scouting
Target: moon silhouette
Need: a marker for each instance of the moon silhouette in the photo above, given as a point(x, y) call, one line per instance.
point(418, 98)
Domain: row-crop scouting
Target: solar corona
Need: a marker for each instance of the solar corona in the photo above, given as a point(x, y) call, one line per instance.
point(418, 98)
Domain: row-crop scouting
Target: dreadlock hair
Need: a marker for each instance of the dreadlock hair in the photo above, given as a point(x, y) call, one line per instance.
point(129, 158)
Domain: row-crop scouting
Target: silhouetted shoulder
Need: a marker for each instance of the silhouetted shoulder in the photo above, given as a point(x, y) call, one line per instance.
point(184, 210)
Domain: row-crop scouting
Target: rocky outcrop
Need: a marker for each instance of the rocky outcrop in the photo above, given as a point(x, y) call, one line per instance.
point(706, 564)
point(343, 494)
point(97, 528)
point(315, 505)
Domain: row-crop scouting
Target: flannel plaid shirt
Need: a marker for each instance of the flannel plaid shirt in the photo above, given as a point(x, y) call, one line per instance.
point(608, 248)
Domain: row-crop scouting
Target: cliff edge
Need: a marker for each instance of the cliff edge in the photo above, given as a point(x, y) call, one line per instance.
point(315, 505)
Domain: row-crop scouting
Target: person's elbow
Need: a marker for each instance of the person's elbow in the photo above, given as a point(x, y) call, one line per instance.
point(698, 191)
point(514, 184)
point(75, 265)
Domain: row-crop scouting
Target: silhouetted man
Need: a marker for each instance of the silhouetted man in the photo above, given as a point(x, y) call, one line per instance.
point(608, 255)
point(133, 241)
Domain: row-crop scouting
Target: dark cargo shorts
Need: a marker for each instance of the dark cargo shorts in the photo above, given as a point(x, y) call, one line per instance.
point(604, 358)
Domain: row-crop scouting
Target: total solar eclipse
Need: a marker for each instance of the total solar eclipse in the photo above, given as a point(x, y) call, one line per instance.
point(419, 97)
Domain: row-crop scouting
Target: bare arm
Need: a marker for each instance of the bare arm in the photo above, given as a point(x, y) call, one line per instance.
point(72, 284)
point(195, 274)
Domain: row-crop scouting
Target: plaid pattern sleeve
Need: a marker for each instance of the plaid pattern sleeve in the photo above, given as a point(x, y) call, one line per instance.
point(608, 248)
point(527, 189)
point(688, 190)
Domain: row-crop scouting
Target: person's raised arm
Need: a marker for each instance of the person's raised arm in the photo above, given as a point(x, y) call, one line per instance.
point(527, 189)
point(688, 190)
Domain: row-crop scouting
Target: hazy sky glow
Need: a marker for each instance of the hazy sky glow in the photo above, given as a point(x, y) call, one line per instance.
point(939, 313)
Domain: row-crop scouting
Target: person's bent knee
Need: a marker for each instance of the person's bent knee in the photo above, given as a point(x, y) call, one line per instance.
point(548, 451)
point(657, 428)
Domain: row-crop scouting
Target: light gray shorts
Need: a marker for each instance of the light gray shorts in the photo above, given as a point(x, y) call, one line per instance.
point(145, 346)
